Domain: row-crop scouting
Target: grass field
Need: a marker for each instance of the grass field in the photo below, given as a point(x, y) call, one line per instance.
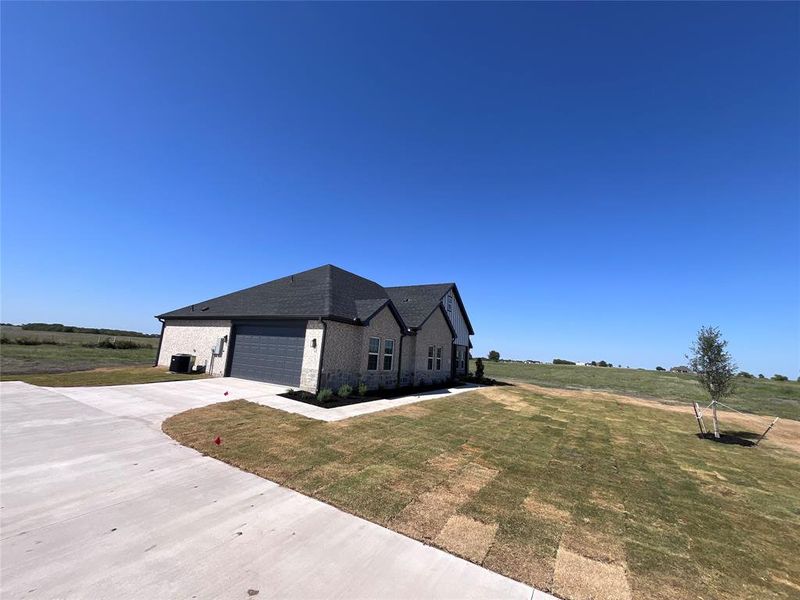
point(67, 353)
point(585, 494)
point(758, 396)
point(106, 376)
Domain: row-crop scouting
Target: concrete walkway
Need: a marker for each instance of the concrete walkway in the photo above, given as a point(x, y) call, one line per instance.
point(98, 503)
point(156, 401)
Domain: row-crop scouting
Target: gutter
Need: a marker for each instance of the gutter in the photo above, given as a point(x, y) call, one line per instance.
point(160, 341)
point(400, 358)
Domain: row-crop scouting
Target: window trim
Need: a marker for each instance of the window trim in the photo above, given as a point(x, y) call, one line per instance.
point(431, 356)
point(390, 355)
point(439, 354)
point(370, 353)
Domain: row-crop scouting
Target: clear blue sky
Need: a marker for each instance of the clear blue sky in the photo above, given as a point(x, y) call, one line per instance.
point(599, 179)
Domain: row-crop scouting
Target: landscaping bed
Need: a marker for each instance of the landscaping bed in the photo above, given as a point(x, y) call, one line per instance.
point(336, 401)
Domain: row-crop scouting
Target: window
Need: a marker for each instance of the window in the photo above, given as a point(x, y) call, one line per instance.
point(460, 357)
point(449, 303)
point(431, 350)
point(388, 354)
point(374, 350)
point(438, 358)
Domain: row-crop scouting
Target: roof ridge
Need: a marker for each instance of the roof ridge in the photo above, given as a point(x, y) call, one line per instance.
point(419, 285)
point(329, 292)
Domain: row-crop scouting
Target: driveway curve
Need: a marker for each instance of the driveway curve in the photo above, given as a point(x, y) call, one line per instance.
point(96, 502)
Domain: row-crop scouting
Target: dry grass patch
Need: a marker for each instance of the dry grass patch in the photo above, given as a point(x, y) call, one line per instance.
point(510, 400)
point(425, 517)
point(518, 562)
point(547, 511)
point(466, 537)
point(580, 578)
point(593, 544)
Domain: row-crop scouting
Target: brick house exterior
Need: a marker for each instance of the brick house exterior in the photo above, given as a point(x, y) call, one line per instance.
point(322, 328)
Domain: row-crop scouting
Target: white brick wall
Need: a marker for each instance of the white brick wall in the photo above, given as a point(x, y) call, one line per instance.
point(312, 351)
point(197, 338)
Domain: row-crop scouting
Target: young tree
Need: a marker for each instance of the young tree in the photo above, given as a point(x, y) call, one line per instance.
point(714, 367)
point(494, 355)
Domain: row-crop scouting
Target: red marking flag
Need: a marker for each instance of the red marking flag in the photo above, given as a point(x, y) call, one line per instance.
point(217, 440)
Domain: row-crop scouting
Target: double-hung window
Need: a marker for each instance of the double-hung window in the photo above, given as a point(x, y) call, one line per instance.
point(373, 353)
point(438, 358)
point(388, 354)
point(431, 351)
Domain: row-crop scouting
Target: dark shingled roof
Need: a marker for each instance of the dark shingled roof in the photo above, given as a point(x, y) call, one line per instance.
point(324, 292)
point(415, 303)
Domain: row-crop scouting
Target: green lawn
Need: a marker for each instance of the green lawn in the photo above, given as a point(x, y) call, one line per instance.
point(67, 353)
point(112, 376)
point(758, 396)
point(13, 332)
point(571, 492)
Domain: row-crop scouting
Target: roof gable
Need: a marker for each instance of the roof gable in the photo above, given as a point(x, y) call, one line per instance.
point(415, 303)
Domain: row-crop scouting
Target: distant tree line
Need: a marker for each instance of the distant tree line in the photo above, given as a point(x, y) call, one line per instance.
point(73, 329)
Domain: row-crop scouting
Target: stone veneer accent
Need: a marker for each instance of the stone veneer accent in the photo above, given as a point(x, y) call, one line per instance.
point(188, 336)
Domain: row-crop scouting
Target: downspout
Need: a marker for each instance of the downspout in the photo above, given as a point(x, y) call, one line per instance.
point(160, 341)
point(322, 351)
point(400, 358)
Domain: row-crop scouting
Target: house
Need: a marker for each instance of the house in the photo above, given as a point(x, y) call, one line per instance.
point(681, 369)
point(323, 328)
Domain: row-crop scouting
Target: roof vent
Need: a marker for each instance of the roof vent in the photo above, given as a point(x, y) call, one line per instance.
point(205, 308)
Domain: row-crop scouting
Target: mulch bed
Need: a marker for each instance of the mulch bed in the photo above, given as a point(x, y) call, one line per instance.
point(387, 394)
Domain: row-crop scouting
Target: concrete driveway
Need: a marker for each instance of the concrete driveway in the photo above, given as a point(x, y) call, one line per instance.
point(98, 503)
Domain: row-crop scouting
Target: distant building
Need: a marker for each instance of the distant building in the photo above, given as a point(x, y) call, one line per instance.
point(681, 369)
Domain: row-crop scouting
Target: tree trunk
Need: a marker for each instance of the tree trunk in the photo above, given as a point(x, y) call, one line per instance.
point(714, 417)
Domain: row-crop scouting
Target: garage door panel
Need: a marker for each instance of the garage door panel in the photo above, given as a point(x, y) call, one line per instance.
point(271, 352)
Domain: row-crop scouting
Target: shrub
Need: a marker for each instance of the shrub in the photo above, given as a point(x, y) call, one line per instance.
point(761, 376)
point(4, 339)
point(778, 377)
point(29, 341)
point(344, 391)
point(745, 374)
point(603, 363)
point(660, 369)
point(494, 355)
point(362, 388)
point(479, 369)
point(128, 345)
point(324, 395)
point(117, 344)
point(561, 361)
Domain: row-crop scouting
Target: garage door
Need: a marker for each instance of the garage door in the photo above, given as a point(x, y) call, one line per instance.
point(269, 352)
